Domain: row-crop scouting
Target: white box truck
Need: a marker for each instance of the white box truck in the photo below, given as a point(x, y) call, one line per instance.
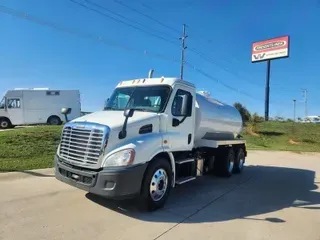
point(165, 135)
point(38, 106)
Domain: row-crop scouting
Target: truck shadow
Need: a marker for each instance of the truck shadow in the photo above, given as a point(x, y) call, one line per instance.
point(258, 190)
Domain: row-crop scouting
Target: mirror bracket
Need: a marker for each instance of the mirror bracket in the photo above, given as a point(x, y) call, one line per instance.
point(127, 113)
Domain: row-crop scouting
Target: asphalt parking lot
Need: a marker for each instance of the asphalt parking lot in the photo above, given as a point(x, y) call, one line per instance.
point(276, 197)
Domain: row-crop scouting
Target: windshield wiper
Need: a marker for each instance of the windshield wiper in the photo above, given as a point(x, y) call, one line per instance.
point(139, 109)
point(143, 109)
point(110, 108)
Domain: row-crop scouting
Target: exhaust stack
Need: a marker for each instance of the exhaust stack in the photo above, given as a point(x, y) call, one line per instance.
point(150, 75)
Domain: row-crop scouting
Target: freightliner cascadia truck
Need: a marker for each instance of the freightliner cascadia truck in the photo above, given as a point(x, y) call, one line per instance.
point(153, 134)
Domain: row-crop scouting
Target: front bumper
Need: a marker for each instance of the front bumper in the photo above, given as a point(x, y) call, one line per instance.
point(115, 183)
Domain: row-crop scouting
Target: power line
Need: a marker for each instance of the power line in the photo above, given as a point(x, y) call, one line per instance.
point(120, 21)
point(124, 17)
point(147, 6)
point(219, 65)
point(192, 49)
point(207, 41)
point(27, 17)
point(147, 16)
point(218, 81)
point(226, 85)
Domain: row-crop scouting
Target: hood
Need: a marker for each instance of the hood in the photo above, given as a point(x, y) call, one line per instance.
point(115, 119)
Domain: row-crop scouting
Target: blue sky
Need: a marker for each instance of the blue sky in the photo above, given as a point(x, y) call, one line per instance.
point(33, 55)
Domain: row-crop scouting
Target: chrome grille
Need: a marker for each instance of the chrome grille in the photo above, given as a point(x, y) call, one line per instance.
point(82, 143)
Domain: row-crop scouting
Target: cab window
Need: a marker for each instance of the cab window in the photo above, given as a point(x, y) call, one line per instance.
point(14, 103)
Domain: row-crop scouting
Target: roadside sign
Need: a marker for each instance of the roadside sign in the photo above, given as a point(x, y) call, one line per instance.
point(270, 49)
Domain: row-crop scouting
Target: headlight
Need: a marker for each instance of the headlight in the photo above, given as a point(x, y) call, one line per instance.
point(121, 158)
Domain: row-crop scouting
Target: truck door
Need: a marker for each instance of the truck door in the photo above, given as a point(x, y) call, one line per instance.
point(180, 124)
point(15, 111)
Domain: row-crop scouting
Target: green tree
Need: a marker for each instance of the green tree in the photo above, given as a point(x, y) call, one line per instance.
point(256, 118)
point(245, 114)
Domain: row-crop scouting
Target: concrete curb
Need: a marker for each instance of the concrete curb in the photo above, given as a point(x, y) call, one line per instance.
point(10, 176)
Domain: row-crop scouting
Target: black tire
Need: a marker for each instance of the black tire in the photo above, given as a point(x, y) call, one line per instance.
point(5, 123)
point(54, 120)
point(239, 160)
point(225, 163)
point(147, 202)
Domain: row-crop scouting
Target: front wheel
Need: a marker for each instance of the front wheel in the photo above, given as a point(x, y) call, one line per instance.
point(156, 185)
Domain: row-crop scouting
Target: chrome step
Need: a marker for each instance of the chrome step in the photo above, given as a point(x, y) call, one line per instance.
point(182, 161)
point(185, 180)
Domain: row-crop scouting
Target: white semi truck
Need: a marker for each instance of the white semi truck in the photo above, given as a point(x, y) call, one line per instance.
point(26, 106)
point(165, 135)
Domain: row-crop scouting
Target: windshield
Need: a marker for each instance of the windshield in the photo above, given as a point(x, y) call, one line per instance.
point(2, 103)
point(152, 99)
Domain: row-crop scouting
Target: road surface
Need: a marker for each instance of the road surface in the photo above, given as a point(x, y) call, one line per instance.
point(276, 197)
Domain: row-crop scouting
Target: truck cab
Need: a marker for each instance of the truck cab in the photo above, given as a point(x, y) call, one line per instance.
point(11, 112)
point(142, 144)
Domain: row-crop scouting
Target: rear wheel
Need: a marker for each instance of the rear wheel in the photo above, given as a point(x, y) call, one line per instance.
point(54, 120)
point(225, 163)
point(239, 160)
point(5, 123)
point(156, 185)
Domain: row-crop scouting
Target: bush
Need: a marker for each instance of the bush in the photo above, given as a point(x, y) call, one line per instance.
point(255, 118)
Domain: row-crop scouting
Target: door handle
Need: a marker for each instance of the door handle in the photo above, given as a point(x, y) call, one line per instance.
point(189, 138)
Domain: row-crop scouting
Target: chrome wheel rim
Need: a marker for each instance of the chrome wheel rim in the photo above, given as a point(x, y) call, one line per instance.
point(231, 164)
point(158, 184)
point(241, 163)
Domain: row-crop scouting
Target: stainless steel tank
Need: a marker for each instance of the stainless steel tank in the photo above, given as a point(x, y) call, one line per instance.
point(215, 120)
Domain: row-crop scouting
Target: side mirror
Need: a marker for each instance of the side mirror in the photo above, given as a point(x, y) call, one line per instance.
point(128, 113)
point(65, 112)
point(182, 106)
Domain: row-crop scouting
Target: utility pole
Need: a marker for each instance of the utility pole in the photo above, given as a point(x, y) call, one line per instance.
point(294, 110)
point(305, 92)
point(183, 47)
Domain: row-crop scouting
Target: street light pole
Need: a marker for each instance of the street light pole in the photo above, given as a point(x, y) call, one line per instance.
point(294, 110)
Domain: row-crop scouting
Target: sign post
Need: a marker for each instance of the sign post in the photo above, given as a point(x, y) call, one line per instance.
point(266, 105)
point(268, 50)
